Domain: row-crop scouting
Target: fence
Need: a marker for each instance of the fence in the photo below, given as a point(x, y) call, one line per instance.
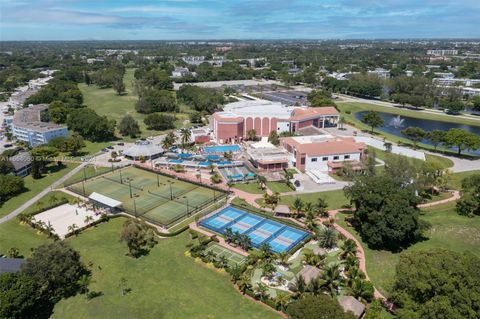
point(96, 174)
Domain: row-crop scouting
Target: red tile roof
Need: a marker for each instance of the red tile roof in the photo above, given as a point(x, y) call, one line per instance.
point(311, 112)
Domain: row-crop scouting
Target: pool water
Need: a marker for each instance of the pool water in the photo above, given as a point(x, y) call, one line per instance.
point(221, 149)
point(260, 230)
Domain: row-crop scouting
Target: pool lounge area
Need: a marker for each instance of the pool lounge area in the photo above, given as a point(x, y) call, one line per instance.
point(260, 230)
point(236, 173)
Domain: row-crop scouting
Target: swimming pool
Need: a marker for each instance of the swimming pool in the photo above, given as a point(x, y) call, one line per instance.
point(221, 149)
point(175, 161)
point(260, 230)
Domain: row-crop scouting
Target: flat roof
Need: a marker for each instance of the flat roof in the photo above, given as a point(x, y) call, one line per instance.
point(261, 108)
point(105, 200)
point(317, 145)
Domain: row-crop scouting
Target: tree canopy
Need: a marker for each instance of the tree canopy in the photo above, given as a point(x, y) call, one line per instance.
point(437, 284)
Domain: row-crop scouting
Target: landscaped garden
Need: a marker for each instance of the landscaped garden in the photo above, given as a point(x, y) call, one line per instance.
point(165, 283)
point(449, 231)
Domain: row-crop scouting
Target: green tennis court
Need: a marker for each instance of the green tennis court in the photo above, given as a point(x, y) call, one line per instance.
point(233, 258)
point(157, 198)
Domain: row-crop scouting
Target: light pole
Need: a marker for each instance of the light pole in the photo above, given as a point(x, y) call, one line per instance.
point(158, 181)
point(130, 186)
point(188, 210)
point(135, 208)
point(84, 174)
point(171, 192)
point(121, 179)
point(83, 186)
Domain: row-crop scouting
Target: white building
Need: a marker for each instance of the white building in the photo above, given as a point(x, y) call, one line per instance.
point(442, 52)
point(381, 73)
point(456, 82)
point(27, 126)
point(180, 72)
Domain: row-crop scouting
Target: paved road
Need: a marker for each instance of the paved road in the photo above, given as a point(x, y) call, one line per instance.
point(31, 201)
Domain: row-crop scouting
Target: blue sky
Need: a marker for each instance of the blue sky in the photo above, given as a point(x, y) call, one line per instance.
point(235, 19)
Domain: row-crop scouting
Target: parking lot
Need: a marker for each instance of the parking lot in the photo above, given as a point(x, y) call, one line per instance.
point(286, 97)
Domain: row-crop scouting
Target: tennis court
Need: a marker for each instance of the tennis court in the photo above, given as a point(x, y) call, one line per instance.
point(260, 230)
point(233, 258)
point(157, 198)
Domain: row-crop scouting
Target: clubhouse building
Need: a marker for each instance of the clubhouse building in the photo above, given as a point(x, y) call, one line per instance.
point(232, 124)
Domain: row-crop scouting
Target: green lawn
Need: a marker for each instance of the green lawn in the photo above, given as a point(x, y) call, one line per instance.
point(252, 188)
point(456, 182)
point(35, 186)
point(108, 102)
point(348, 110)
point(335, 199)
point(442, 161)
point(448, 231)
point(279, 187)
point(20, 236)
point(164, 284)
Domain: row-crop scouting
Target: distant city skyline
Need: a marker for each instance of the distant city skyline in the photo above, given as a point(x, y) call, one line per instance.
point(234, 19)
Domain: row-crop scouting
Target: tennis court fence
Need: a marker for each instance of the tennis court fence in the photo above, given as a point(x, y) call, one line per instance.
point(89, 176)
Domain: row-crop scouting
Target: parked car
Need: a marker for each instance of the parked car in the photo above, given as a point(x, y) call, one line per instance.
point(121, 144)
point(110, 147)
point(7, 145)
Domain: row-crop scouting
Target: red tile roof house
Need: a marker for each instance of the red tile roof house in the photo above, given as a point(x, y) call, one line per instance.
point(233, 123)
point(323, 152)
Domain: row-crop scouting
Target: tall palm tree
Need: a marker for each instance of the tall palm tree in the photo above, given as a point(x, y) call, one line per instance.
point(185, 136)
point(283, 299)
point(49, 228)
point(353, 274)
point(245, 242)
point(262, 181)
point(332, 279)
point(52, 199)
point(351, 261)
point(327, 237)
point(297, 205)
point(169, 140)
point(228, 233)
point(268, 269)
point(244, 284)
point(299, 286)
point(322, 207)
point(266, 250)
point(88, 219)
point(73, 228)
point(349, 248)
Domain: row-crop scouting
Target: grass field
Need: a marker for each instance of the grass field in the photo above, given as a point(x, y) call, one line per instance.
point(35, 186)
point(348, 110)
point(252, 187)
point(456, 182)
point(279, 187)
point(153, 197)
point(108, 102)
point(164, 284)
point(449, 231)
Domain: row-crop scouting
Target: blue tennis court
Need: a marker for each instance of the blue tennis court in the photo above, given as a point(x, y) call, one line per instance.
point(260, 230)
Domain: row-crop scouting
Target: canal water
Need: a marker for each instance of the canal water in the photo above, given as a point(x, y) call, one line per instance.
point(394, 124)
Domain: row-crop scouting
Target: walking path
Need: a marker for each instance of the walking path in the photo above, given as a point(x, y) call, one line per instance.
point(35, 198)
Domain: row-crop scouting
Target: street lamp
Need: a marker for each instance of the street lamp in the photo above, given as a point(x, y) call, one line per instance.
point(135, 208)
point(171, 192)
point(188, 210)
point(130, 185)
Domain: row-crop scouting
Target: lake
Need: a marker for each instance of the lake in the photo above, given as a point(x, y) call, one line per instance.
point(394, 126)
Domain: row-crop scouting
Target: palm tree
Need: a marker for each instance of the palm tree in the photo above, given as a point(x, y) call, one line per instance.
point(288, 175)
point(322, 207)
point(361, 289)
point(49, 228)
point(244, 284)
point(228, 233)
point(283, 258)
point(353, 274)
point(297, 205)
point(251, 135)
point(266, 250)
point(332, 279)
point(349, 248)
point(73, 228)
point(84, 282)
point(312, 259)
point(88, 219)
point(13, 252)
point(199, 177)
point(211, 167)
point(185, 136)
point(299, 286)
point(245, 242)
point(351, 261)
point(282, 299)
point(261, 290)
point(342, 121)
point(262, 181)
point(327, 237)
point(169, 140)
point(268, 269)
